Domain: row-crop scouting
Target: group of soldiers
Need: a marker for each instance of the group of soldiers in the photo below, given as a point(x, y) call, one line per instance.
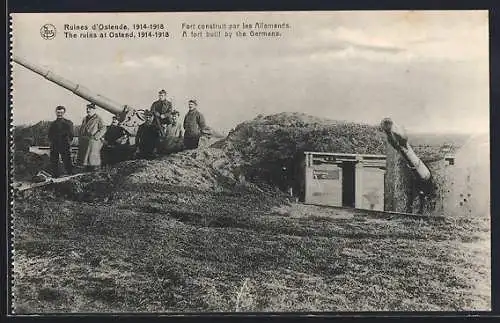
point(100, 145)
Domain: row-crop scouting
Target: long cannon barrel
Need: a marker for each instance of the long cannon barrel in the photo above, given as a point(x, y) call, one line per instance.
point(79, 90)
point(399, 140)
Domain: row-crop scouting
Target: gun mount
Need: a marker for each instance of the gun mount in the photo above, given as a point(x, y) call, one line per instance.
point(129, 118)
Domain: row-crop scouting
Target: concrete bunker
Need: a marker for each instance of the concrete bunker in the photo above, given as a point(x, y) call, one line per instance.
point(347, 180)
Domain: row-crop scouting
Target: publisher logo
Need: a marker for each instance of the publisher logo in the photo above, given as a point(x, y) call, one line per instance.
point(48, 31)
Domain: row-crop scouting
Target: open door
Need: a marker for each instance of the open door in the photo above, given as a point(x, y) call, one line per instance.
point(348, 184)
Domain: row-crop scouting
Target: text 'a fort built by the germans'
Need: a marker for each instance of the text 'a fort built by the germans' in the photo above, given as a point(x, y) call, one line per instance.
point(235, 30)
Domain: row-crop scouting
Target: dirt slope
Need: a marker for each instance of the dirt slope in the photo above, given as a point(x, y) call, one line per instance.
point(186, 234)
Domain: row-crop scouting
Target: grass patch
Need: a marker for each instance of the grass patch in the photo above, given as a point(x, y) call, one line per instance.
point(162, 248)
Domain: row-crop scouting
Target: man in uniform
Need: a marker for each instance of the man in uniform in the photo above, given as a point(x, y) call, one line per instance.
point(194, 126)
point(60, 136)
point(90, 139)
point(116, 141)
point(147, 137)
point(162, 111)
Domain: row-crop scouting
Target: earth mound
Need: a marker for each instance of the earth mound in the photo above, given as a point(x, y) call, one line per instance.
point(262, 150)
point(269, 146)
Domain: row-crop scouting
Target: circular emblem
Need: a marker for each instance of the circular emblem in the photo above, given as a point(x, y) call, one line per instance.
point(48, 31)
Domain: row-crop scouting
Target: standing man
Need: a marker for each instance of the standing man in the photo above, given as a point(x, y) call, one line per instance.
point(61, 135)
point(116, 141)
point(162, 111)
point(147, 137)
point(90, 139)
point(194, 126)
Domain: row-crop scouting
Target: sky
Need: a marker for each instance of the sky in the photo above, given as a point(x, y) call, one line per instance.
point(427, 70)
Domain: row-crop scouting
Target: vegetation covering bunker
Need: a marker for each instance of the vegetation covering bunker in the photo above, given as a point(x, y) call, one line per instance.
point(271, 149)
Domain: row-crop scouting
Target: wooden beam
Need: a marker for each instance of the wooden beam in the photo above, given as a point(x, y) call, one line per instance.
point(19, 186)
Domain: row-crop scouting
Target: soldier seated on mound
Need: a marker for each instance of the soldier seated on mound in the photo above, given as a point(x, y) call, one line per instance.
point(162, 110)
point(147, 138)
point(116, 143)
point(173, 141)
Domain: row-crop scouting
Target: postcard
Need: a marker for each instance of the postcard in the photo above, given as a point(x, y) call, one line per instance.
point(222, 162)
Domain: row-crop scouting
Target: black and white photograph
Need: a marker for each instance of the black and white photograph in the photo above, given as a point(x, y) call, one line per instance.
point(250, 162)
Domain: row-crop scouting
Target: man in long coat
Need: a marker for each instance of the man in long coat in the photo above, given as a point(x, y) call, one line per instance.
point(90, 139)
point(194, 126)
point(60, 137)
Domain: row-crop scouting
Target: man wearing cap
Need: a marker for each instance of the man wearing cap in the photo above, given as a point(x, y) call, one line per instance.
point(162, 111)
point(60, 137)
point(194, 126)
point(116, 141)
point(91, 139)
point(173, 141)
point(147, 137)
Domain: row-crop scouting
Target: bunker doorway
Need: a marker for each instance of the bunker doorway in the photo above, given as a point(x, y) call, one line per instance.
point(348, 184)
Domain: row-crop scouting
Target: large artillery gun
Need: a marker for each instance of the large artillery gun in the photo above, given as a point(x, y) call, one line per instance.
point(408, 179)
point(398, 139)
point(456, 185)
point(129, 118)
